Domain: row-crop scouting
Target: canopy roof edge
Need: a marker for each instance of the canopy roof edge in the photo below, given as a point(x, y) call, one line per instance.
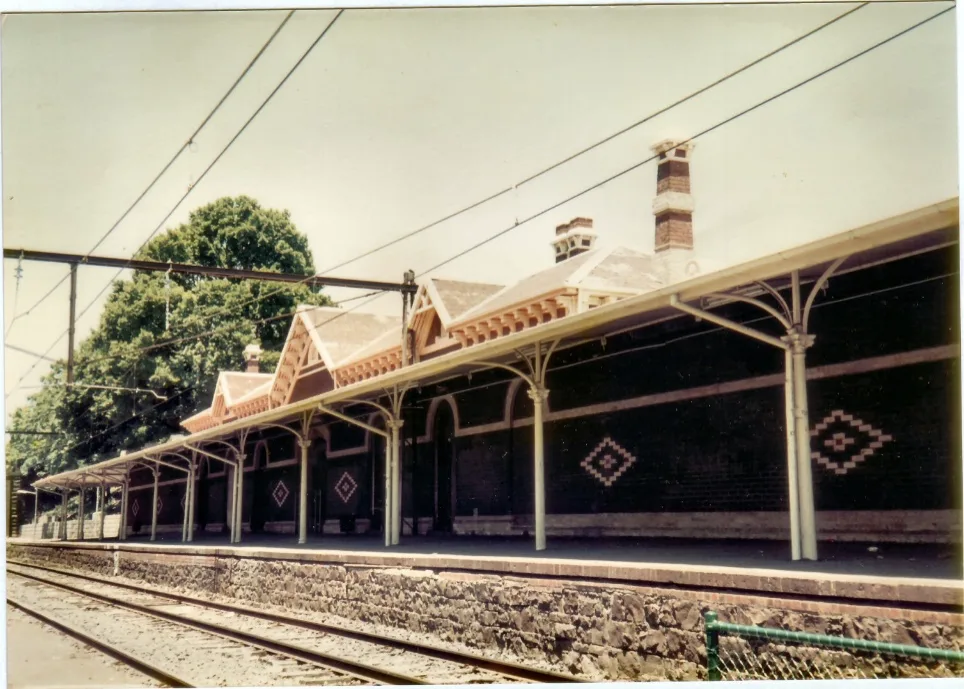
point(940, 216)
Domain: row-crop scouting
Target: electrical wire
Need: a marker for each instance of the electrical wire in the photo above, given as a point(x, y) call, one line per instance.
point(647, 160)
point(127, 420)
point(194, 186)
point(167, 167)
point(214, 331)
point(704, 132)
point(630, 169)
point(558, 164)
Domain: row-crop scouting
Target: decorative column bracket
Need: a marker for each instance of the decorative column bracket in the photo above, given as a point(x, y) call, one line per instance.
point(393, 478)
point(236, 465)
point(794, 318)
point(304, 444)
point(538, 366)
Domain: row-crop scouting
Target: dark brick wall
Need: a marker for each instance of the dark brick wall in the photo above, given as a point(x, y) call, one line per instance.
point(722, 453)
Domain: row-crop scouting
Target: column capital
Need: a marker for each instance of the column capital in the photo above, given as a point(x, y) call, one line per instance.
point(798, 341)
point(304, 443)
point(394, 424)
point(538, 393)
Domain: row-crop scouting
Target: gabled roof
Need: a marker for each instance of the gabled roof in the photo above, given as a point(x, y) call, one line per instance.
point(338, 334)
point(930, 227)
point(236, 385)
point(619, 269)
point(452, 298)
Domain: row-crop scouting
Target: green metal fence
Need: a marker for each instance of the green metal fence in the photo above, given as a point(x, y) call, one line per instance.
point(741, 652)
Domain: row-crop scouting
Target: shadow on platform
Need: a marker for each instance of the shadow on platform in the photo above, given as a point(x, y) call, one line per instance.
point(929, 561)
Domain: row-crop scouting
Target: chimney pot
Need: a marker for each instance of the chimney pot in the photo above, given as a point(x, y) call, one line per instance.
point(252, 359)
point(574, 238)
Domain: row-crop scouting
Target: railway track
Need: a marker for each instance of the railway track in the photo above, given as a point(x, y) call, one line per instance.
point(324, 645)
point(165, 678)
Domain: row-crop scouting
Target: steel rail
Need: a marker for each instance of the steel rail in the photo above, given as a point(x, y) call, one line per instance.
point(509, 669)
point(355, 669)
point(132, 661)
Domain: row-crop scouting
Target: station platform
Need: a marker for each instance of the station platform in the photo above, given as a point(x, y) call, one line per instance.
point(928, 576)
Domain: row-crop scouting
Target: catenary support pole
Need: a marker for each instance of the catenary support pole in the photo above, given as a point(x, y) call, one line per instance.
point(792, 482)
point(304, 444)
point(157, 475)
point(36, 510)
point(71, 327)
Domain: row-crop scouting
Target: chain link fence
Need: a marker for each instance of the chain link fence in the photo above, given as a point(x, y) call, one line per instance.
point(740, 652)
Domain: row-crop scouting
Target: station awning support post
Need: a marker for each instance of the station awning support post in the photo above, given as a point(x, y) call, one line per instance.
point(794, 317)
point(125, 489)
point(157, 474)
point(303, 437)
point(305, 446)
point(231, 522)
point(192, 483)
point(63, 515)
point(102, 495)
point(394, 424)
point(388, 525)
point(81, 494)
point(538, 365)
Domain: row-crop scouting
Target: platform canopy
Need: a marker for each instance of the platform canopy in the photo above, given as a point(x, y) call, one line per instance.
point(921, 230)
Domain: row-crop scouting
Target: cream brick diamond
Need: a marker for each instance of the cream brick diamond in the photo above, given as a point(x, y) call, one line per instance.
point(346, 487)
point(280, 493)
point(840, 441)
point(608, 462)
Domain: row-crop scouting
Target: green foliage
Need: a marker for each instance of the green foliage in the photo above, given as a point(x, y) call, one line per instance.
point(169, 335)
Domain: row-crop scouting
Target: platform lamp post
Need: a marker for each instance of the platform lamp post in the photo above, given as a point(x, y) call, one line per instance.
point(36, 499)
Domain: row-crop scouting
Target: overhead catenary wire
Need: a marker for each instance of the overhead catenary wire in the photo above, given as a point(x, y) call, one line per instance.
point(166, 167)
point(704, 132)
point(194, 186)
point(514, 188)
point(371, 297)
point(206, 334)
point(712, 128)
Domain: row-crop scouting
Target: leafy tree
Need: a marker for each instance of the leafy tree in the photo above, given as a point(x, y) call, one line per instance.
point(168, 336)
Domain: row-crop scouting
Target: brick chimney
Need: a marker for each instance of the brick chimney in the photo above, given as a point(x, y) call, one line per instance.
point(673, 205)
point(574, 238)
point(252, 359)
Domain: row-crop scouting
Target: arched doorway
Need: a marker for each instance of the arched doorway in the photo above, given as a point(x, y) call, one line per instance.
point(201, 499)
point(444, 444)
point(376, 460)
point(520, 468)
point(318, 481)
point(259, 488)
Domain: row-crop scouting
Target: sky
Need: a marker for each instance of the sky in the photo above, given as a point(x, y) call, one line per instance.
point(400, 117)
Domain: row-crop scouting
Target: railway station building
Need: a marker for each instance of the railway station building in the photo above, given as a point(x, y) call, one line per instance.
point(807, 396)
